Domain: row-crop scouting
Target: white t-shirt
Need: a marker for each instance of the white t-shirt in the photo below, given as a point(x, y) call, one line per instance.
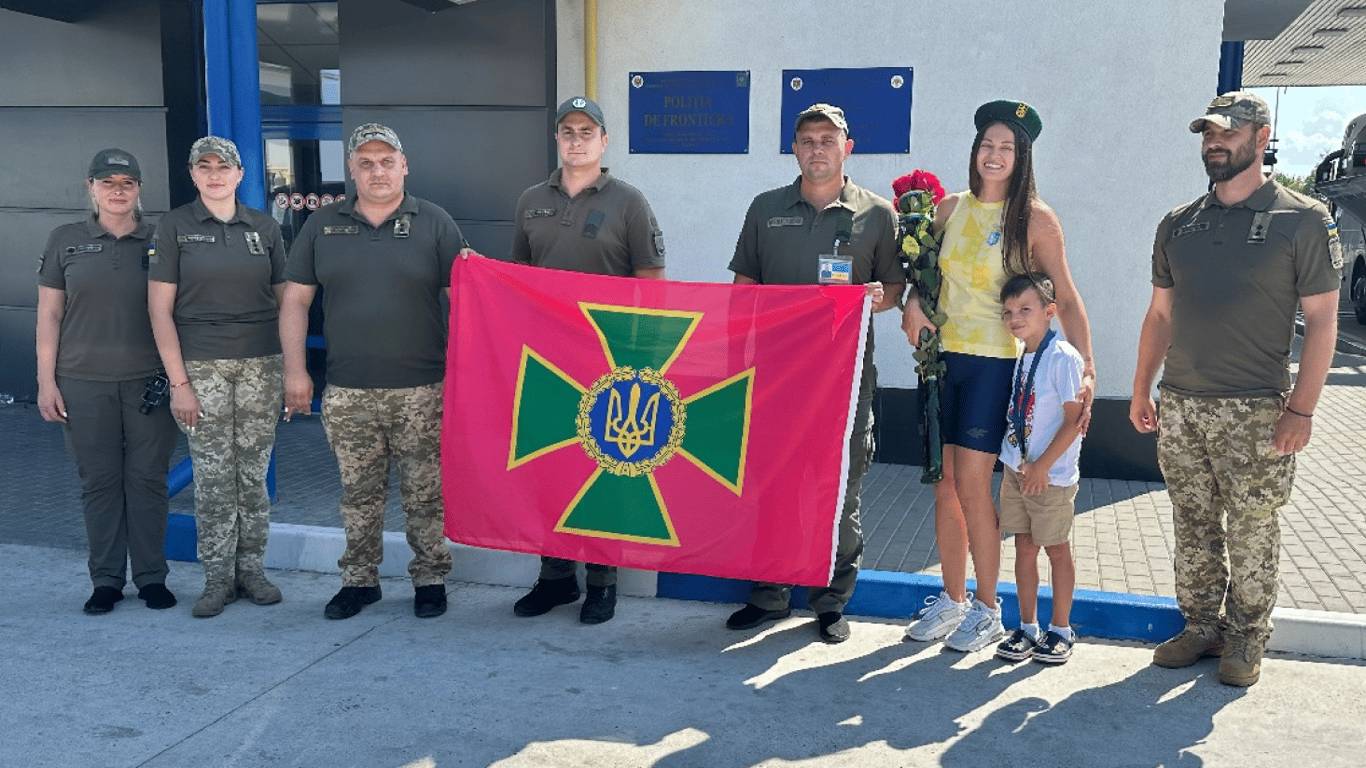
point(1055, 382)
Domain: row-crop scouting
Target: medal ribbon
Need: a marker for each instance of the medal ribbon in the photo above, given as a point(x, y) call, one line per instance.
point(1019, 396)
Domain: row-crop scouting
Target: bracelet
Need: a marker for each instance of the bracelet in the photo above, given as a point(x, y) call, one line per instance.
point(1297, 413)
point(181, 384)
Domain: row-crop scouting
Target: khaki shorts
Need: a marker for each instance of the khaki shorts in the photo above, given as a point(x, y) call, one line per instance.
point(1046, 517)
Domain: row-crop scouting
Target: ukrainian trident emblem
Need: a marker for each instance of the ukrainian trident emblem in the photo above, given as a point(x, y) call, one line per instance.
point(631, 421)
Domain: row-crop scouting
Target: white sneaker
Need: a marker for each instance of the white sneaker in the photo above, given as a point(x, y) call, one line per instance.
point(940, 616)
point(980, 628)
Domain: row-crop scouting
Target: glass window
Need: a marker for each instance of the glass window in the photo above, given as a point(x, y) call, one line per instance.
point(299, 52)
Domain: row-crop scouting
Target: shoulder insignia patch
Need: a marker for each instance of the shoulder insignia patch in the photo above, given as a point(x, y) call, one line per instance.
point(1334, 242)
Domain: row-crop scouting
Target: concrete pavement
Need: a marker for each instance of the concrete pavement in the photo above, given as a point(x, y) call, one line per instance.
point(663, 685)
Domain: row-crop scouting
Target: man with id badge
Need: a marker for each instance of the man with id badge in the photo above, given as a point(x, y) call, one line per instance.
point(584, 220)
point(823, 229)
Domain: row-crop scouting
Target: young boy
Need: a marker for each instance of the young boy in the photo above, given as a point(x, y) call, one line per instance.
point(1040, 451)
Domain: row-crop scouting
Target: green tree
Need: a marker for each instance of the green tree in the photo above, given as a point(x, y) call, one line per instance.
point(1300, 184)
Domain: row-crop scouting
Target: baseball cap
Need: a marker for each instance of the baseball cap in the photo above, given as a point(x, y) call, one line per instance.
point(1233, 110)
point(372, 132)
point(585, 105)
point(823, 112)
point(1011, 112)
point(108, 162)
point(216, 145)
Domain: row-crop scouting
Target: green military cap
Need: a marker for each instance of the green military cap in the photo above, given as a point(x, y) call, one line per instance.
point(110, 162)
point(585, 105)
point(1012, 112)
point(1233, 110)
point(823, 112)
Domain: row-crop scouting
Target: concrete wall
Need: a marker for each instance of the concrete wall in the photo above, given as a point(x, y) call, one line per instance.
point(1115, 83)
point(69, 90)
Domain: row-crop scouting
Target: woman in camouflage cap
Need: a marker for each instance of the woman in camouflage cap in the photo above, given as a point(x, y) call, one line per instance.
point(213, 296)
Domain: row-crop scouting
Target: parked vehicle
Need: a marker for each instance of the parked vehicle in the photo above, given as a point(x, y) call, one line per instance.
point(1341, 179)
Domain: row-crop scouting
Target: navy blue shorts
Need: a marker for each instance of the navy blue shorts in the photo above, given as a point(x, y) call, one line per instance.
point(973, 398)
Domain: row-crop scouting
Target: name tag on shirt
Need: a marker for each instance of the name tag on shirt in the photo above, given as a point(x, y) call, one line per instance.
point(345, 230)
point(72, 250)
point(836, 270)
point(538, 213)
point(1199, 226)
point(183, 239)
point(785, 221)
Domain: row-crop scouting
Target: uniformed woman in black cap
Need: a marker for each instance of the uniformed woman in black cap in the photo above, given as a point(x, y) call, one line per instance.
point(997, 228)
point(214, 299)
point(98, 375)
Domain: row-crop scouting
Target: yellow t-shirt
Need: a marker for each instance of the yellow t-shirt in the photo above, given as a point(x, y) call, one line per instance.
point(973, 275)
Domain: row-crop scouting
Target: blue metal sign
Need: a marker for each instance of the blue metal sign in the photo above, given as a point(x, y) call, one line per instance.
point(689, 112)
point(876, 102)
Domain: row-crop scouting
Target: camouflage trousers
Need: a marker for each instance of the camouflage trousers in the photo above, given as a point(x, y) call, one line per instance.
point(1226, 482)
point(367, 428)
point(240, 404)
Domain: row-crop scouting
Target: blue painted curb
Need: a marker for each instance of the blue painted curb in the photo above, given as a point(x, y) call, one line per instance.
point(883, 593)
point(898, 595)
point(180, 538)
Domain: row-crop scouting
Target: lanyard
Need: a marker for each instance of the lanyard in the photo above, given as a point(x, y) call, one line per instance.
point(1023, 391)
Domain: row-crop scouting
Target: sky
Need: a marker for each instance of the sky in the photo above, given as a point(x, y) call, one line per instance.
point(1309, 122)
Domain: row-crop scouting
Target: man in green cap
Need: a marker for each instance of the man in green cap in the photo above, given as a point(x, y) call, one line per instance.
point(1229, 271)
point(584, 220)
point(823, 229)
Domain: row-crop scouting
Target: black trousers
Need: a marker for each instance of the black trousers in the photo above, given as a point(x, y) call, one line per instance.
point(122, 457)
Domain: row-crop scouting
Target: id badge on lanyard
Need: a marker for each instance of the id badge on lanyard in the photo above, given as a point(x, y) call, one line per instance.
point(834, 268)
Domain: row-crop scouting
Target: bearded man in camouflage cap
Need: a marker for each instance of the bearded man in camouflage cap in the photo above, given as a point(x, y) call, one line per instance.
point(1229, 270)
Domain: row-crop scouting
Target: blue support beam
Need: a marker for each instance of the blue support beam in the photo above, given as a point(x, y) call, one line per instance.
point(232, 81)
point(232, 90)
point(1230, 66)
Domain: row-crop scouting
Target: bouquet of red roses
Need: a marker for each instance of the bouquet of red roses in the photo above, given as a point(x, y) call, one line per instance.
point(917, 194)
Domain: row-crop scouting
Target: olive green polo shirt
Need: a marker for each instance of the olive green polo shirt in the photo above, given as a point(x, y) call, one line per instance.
point(105, 334)
point(606, 229)
point(381, 291)
point(784, 236)
point(223, 272)
point(1237, 273)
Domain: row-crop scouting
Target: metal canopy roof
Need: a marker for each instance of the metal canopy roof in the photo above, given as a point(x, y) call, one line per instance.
point(1323, 43)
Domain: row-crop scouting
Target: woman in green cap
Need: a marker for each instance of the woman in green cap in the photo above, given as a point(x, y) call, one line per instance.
point(996, 229)
point(99, 377)
point(213, 295)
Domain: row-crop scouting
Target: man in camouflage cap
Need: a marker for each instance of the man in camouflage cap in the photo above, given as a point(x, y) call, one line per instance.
point(383, 258)
point(1229, 270)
